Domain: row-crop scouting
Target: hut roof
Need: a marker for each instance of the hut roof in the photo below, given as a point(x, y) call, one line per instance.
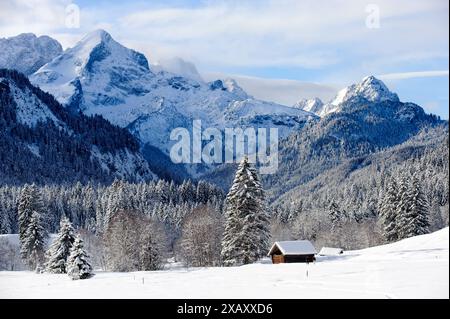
point(330, 251)
point(294, 247)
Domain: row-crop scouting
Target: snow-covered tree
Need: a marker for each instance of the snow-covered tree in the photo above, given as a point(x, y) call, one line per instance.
point(187, 191)
point(133, 242)
point(33, 246)
point(29, 202)
point(59, 251)
point(151, 248)
point(389, 211)
point(334, 214)
point(78, 266)
point(247, 227)
point(413, 217)
point(201, 237)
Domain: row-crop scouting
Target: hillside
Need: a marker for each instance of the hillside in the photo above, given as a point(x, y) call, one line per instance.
point(416, 267)
point(43, 142)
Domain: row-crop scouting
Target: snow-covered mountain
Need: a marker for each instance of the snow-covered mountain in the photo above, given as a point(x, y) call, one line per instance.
point(313, 105)
point(27, 52)
point(178, 66)
point(365, 118)
point(370, 89)
point(44, 142)
point(100, 76)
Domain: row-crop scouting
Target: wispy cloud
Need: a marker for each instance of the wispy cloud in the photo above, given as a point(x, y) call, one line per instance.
point(413, 75)
point(306, 33)
point(282, 91)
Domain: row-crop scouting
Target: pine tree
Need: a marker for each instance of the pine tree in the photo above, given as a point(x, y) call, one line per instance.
point(59, 251)
point(297, 211)
point(389, 211)
point(78, 266)
point(29, 202)
point(334, 214)
point(33, 246)
point(149, 250)
point(413, 219)
point(246, 235)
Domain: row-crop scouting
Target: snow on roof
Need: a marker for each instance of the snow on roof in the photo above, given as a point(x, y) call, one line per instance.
point(330, 251)
point(294, 247)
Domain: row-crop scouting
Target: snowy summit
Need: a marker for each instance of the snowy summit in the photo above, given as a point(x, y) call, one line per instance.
point(370, 88)
point(27, 52)
point(101, 76)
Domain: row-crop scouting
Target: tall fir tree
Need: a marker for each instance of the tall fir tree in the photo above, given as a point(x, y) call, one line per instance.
point(389, 211)
point(335, 215)
point(35, 238)
point(30, 201)
point(150, 256)
point(59, 251)
point(247, 234)
point(78, 266)
point(413, 218)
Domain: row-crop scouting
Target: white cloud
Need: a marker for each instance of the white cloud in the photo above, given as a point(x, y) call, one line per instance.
point(20, 16)
point(217, 35)
point(282, 91)
point(293, 33)
point(412, 75)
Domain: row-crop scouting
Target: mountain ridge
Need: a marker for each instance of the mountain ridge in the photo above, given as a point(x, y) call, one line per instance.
point(370, 88)
point(100, 76)
point(43, 142)
point(27, 53)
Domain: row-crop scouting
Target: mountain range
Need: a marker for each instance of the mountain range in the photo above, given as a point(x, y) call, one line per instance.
point(100, 77)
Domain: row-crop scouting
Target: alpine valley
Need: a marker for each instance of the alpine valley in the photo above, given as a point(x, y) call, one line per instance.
point(100, 111)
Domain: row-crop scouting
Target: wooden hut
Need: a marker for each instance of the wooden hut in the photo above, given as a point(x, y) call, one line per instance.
point(297, 251)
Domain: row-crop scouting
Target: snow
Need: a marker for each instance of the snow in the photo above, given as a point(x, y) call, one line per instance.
point(117, 85)
point(30, 109)
point(294, 247)
point(370, 88)
point(178, 66)
point(27, 52)
point(412, 268)
point(330, 251)
point(13, 239)
point(126, 165)
point(34, 149)
point(311, 105)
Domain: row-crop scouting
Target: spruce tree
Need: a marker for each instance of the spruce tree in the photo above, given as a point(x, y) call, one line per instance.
point(335, 215)
point(30, 201)
point(149, 251)
point(78, 266)
point(33, 246)
point(246, 236)
point(389, 212)
point(60, 249)
point(413, 219)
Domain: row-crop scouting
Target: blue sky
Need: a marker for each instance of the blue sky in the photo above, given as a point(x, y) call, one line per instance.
point(332, 43)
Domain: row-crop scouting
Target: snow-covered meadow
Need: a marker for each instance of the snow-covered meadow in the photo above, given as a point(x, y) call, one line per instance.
point(417, 267)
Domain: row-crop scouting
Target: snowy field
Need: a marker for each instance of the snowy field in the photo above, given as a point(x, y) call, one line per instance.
point(413, 268)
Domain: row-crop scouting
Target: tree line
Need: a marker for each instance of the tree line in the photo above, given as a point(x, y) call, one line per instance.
point(129, 227)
